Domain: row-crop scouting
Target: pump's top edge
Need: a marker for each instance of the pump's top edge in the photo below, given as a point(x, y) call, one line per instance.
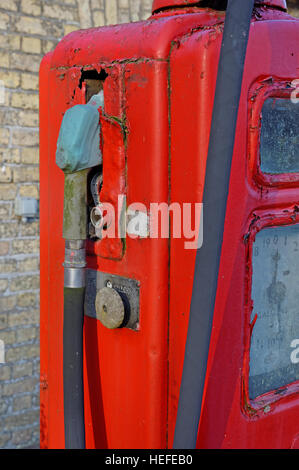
point(160, 4)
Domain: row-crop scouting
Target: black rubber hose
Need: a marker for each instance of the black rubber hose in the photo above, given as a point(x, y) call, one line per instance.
point(221, 146)
point(73, 368)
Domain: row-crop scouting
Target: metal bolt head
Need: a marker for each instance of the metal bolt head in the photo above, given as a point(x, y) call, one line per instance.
point(110, 308)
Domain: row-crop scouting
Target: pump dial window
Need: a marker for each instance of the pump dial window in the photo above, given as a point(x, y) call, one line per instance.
point(275, 295)
point(279, 146)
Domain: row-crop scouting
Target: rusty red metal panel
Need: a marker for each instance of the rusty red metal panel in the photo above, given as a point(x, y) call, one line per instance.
point(159, 90)
point(193, 66)
point(137, 163)
point(132, 366)
point(161, 4)
point(44, 253)
point(274, 3)
point(147, 39)
point(229, 419)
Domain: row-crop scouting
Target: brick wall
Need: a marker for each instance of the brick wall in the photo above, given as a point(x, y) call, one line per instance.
point(293, 6)
point(28, 30)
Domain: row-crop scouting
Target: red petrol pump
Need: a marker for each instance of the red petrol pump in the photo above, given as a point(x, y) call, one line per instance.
point(157, 80)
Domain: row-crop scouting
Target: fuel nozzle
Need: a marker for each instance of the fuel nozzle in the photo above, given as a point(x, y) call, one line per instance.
point(78, 150)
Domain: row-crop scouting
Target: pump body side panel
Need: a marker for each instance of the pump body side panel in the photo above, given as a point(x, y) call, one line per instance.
point(228, 420)
point(129, 367)
point(125, 373)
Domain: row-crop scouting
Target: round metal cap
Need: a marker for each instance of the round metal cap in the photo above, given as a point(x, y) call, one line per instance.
point(110, 308)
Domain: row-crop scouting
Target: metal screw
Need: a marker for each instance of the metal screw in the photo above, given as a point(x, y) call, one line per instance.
point(109, 284)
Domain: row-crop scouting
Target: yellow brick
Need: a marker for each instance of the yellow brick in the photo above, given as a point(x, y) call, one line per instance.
point(18, 371)
point(99, 18)
point(4, 136)
point(31, 7)
point(28, 264)
point(5, 372)
point(49, 46)
point(4, 214)
point(29, 230)
point(5, 174)
point(4, 249)
point(111, 11)
point(8, 230)
point(4, 59)
point(32, 45)
point(123, 16)
point(60, 12)
point(25, 137)
point(29, 191)
point(29, 81)
point(30, 155)
point(27, 299)
point(24, 283)
point(9, 5)
point(7, 303)
point(25, 246)
point(85, 16)
point(25, 100)
point(10, 41)
point(22, 61)
point(21, 403)
point(25, 174)
point(28, 118)
point(147, 4)
point(27, 25)
point(8, 117)
point(8, 265)
point(6, 98)
point(8, 192)
point(4, 20)
point(11, 79)
point(146, 14)
point(123, 3)
point(135, 9)
point(26, 334)
point(69, 28)
point(95, 4)
point(9, 155)
point(3, 286)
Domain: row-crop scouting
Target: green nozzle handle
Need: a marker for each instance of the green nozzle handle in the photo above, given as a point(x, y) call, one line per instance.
point(75, 206)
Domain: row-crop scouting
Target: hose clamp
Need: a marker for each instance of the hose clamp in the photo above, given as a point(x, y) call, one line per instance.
point(74, 264)
point(74, 278)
